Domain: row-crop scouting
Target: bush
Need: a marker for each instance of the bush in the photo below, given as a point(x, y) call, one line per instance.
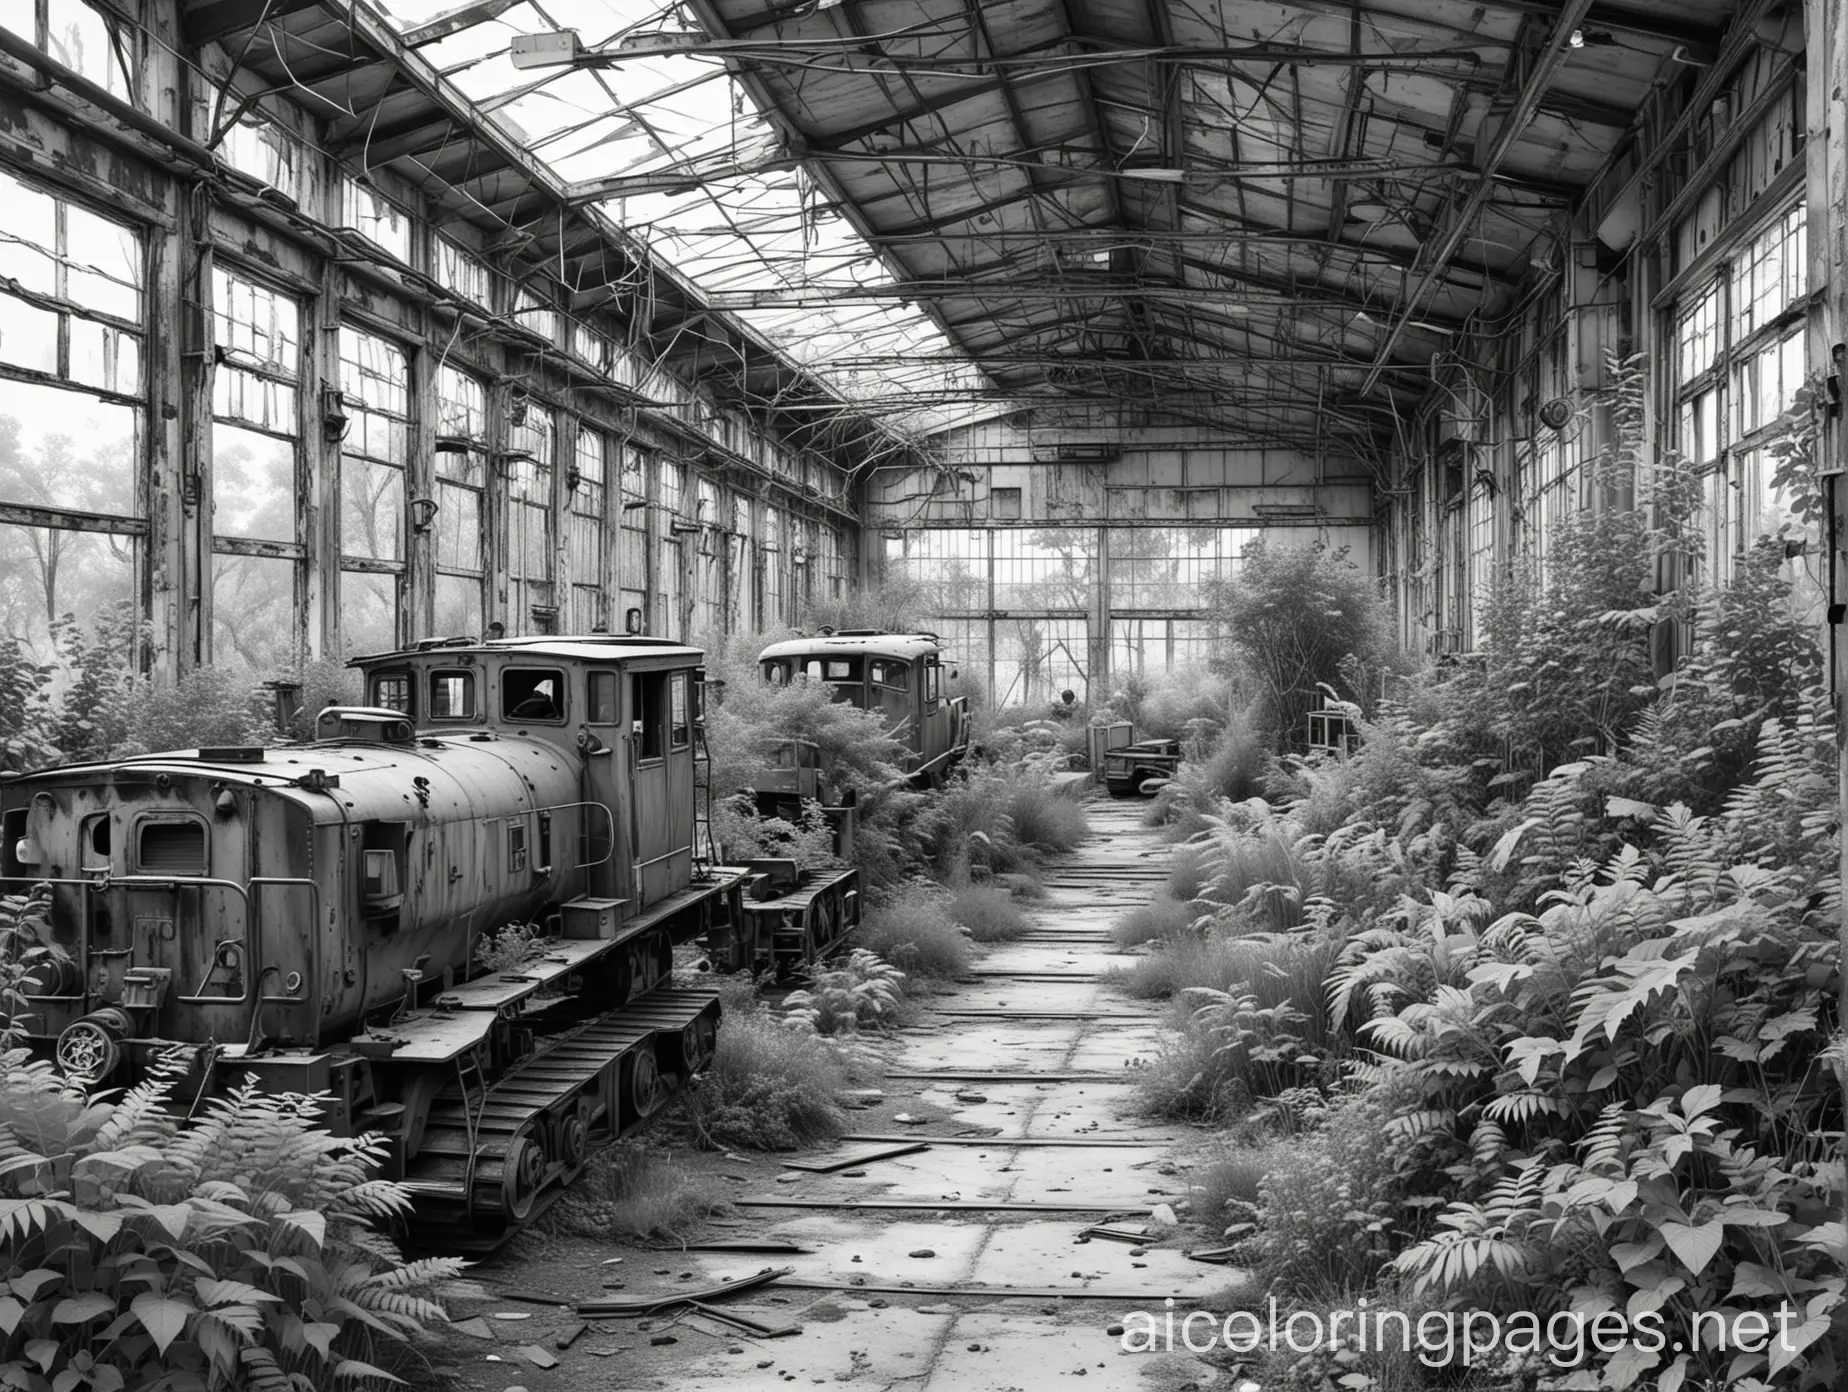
point(1303, 618)
point(634, 1190)
point(237, 1250)
point(990, 914)
point(847, 995)
point(1044, 820)
point(769, 1087)
point(207, 706)
point(1160, 920)
point(917, 936)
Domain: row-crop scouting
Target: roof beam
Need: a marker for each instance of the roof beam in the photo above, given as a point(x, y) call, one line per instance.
point(1544, 66)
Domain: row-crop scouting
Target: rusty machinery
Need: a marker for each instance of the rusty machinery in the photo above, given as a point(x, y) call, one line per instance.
point(329, 917)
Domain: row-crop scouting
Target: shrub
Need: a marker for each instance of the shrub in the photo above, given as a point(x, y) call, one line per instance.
point(1187, 872)
point(989, 914)
point(635, 1190)
point(917, 936)
point(1043, 819)
point(1160, 920)
point(843, 996)
point(236, 1250)
point(744, 834)
point(1303, 618)
point(769, 1087)
point(207, 706)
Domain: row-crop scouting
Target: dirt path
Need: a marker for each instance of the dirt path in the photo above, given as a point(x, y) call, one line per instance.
point(907, 1280)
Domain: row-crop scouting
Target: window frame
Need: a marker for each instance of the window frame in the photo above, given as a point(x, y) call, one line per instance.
point(553, 674)
point(166, 818)
point(468, 675)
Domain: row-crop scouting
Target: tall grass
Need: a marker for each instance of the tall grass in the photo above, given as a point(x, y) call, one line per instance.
point(917, 936)
point(770, 1087)
point(632, 1190)
point(1162, 919)
point(990, 914)
point(1044, 819)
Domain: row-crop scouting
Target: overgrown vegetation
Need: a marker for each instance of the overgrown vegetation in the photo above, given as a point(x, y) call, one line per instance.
point(770, 1086)
point(640, 1191)
point(915, 934)
point(1542, 981)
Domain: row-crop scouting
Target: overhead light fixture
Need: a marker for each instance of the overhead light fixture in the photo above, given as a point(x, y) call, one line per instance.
point(1158, 176)
point(1578, 38)
point(1368, 210)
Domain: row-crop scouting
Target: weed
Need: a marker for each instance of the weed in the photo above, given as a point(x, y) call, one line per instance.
point(989, 914)
point(1044, 819)
point(769, 1087)
point(635, 1190)
point(918, 937)
point(861, 990)
point(1160, 920)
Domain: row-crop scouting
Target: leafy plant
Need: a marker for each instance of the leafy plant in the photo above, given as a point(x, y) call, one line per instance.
point(239, 1250)
point(508, 948)
point(844, 997)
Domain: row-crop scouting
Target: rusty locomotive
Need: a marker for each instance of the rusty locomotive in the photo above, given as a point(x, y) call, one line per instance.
point(330, 916)
point(899, 675)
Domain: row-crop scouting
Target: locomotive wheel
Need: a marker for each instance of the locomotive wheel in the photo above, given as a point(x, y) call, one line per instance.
point(573, 1145)
point(522, 1168)
point(698, 1042)
point(645, 1087)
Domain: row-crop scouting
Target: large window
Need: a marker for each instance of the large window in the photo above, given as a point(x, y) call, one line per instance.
point(71, 423)
point(257, 501)
point(1739, 361)
point(374, 216)
point(587, 520)
point(532, 602)
point(375, 380)
point(632, 536)
point(84, 37)
point(709, 561)
point(461, 449)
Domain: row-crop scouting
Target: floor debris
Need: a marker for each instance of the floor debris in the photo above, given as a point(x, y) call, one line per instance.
point(655, 1304)
point(865, 1157)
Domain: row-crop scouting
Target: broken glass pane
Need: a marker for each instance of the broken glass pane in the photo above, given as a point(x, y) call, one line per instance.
point(253, 484)
point(458, 527)
point(458, 606)
point(368, 612)
point(253, 612)
point(67, 449)
point(371, 510)
point(45, 574)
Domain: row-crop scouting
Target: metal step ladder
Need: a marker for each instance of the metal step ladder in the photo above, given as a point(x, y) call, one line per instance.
point(705, 852)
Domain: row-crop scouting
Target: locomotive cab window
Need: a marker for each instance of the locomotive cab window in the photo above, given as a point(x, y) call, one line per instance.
point(603, 693)
point(887, 673)
point(844, 674)
point(933, 684)
point(529, 693)
point(452, 696)
point(170, 846)
point(392, 691)
point(679, 728)
point(776, 673)
point(648, 701)
point(96, 842)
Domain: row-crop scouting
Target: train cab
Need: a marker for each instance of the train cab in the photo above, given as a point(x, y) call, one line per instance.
point(900, 676)
point(628, 707)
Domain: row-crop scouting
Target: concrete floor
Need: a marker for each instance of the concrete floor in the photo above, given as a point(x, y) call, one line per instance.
point(935, 1316)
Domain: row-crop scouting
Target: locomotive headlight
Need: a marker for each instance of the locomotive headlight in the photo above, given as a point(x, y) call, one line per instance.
point(225, 805)
point(26, 851)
